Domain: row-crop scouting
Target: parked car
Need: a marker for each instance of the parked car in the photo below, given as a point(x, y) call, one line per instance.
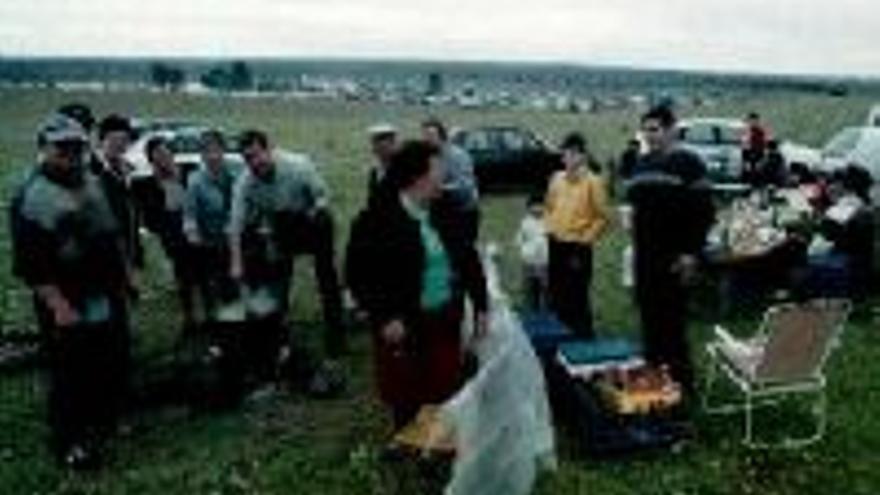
point(184, 143)
point(718, 141)
point(873, 119)
point(508, 157)
point(144, 126)
point(854, 145)
point(859, 145)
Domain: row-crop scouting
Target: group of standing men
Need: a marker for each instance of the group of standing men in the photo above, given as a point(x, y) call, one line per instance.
point(232, 234)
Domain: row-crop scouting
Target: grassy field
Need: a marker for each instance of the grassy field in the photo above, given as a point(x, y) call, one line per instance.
point(289, 444)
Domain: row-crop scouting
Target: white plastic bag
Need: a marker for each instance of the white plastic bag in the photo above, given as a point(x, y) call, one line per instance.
point(501, 419)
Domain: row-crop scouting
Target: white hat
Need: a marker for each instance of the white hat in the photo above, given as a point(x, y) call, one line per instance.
point(381, 129)
point(58, 127)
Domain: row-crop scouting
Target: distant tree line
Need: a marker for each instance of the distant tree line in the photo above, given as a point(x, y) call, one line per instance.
point(235, 76)
point(167, 77)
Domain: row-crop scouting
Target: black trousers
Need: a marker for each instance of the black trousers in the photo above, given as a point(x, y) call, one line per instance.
point(317, 241)
point(299, 236)
point(535, 288)
point(211, 274)
point(570, 274)
point(88, 377)
point(662, 301)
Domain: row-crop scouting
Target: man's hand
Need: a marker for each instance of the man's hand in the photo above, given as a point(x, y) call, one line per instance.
point(236, 271)
point(394, 332)
point(481, 326)
point(132, 289)
point(65, 315)
point(686, 268)
point(62, 311)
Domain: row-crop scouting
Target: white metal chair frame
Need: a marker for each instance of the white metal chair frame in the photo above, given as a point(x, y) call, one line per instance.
point(760, 390)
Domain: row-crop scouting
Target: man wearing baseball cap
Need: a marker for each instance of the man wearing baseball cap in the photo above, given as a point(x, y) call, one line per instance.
point(67, 249)
point(383, 144)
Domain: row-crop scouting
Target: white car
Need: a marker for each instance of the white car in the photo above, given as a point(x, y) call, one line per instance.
point(853, 145)
point(873, 119)
point(718, 141)
point(184, 143)
point(858, 146)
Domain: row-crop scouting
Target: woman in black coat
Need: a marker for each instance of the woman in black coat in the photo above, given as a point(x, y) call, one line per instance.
point(411, 278)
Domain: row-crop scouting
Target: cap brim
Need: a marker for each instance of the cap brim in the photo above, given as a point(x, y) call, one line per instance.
point(382, 130)
point(57, 137)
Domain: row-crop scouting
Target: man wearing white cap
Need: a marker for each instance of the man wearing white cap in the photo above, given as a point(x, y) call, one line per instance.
point(383, 143)
point(67, 247)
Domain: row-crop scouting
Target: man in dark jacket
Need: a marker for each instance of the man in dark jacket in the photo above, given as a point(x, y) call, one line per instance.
point(383, 144)
point(113, 169)
point(159, 199)
point(411, 278)
point(672, 211)
point(67, 248)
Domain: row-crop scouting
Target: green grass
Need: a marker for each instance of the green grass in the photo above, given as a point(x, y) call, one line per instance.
point(290, 444)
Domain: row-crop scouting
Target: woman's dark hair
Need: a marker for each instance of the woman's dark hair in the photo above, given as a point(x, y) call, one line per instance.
point(409, 163)
point(152, 144)
point(253, 136)
point(114, 123)
point(662, 114)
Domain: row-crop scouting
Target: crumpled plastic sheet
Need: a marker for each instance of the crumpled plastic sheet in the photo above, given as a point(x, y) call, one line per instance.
point(501, 418)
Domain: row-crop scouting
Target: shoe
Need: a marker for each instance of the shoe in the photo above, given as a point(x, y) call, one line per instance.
point(262, 394)
point(80, 458)
point(328, 381)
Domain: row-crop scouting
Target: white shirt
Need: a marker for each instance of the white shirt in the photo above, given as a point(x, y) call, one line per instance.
point(531, 239)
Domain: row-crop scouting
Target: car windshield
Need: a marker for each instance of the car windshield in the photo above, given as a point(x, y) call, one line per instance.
point(185, 143)
point(476, 141)
point(711, 134)
point(842, 143)
point(190, 143)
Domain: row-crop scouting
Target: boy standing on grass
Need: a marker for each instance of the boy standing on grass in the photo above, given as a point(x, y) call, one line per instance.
point(576, 217)
point(531, 240)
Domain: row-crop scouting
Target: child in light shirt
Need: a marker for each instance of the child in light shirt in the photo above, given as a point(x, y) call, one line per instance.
point(531, 240)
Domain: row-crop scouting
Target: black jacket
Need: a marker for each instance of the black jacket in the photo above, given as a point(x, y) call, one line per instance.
point(385, 260)
point(672, 210)
point(119, 196)
point(149, 198)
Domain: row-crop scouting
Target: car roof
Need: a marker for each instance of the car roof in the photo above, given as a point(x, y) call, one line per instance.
point(484, 128)
point(863, 130)
point(714, 121)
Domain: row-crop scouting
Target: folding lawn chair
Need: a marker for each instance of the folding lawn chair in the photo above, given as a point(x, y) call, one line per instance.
point(787, 356)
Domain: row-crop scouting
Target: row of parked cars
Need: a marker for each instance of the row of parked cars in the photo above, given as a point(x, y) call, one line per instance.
point(512, 156)
point(515, 157)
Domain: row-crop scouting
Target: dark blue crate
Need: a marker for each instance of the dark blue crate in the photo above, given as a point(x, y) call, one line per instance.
point(599, 350)
point(601, 433)
point(545, 332)
point(604, 433)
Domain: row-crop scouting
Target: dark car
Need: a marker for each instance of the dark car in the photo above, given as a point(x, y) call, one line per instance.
point(508, 157)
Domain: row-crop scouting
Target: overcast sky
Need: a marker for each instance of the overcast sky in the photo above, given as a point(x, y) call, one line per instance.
point(791, 36)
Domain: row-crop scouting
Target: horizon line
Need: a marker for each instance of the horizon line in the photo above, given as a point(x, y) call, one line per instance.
point(546, 62)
